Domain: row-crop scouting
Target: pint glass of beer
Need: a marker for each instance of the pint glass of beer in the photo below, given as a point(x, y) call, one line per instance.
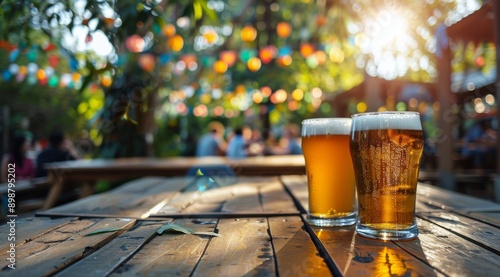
point(386, 148)
point(330, 175)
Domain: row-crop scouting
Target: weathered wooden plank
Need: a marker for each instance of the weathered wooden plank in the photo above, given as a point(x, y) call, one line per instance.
point(245, 195)
point(63, 246)
point(105, 260)
point(449, 200)
point(179, 203)
point(137, 198)
point(295, 253)
point(297, 186)
point(171, 254)
point(50, 239)
point(369, 257)
point(492, 218)
point(452, 255)
point(29, 228)
point(208, 201)
point(220, 198)
point(338, 242)
point(275, 199)
point(243, 249)
point(483, 234)
point(244, 198)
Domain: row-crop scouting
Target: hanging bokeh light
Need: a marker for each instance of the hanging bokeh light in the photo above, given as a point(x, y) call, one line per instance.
point(248, 33)
point(228, 56)
point(490, 99)
point(279, 96)
point(257, 97)
point(53, 81)
point(266, 91)
point(76, 77)
point(40, 74)
point(283, 29)
point(135, 43)
point(284, 61)
point(312, 61)
point(218, 111)
point(53, 60)
point(13, 68)
point(293, 106)
point(106, 81)
point(320, 56)
point(23, 69)
point(361, 107)
point(479, 61)
point(306, 49)
point(254, 64)
point(297, 94)
point(267, 54)
point(210, 36)
point(336, 55)
point(176, 43)
point(168, 30)
point(32, 68)
point(147, 62)
point(220, 67)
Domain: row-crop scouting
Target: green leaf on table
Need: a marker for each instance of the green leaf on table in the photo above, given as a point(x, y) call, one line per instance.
point(101, 231)
point(174, 227)
point(199, 173)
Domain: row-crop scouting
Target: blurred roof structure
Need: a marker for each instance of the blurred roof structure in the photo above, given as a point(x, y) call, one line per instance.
point(476, 27)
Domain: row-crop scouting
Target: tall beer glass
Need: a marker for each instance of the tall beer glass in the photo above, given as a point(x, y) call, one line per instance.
point(386, 148)
point(330, 175)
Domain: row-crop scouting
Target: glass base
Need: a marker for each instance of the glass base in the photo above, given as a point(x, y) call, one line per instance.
point(403, 234)
point(330, 222)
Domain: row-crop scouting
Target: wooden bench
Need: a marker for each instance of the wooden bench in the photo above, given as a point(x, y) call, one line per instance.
point(29, 195)
point(476, 182)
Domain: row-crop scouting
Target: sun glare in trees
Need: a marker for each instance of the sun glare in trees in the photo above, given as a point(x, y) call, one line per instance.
point(386, 38)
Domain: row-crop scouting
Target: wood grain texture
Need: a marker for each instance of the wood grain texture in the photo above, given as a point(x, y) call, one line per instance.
point(63, 246)
point(243, 249)
point(171, 254)
point(28, 229)
point(450, 254)
point(297, 186)
point(371, 257)
point(105, 260)
point(485, 235)
point(492, 218)
point(275, 199)
point(134, 199)
point(295, 253)
point(50, 239)
point(339, 242)
point(449, 200)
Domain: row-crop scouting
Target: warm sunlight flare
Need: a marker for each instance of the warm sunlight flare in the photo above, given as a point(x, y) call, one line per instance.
point(386, 37)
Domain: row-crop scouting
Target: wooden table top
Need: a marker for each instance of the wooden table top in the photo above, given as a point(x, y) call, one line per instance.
point(261, 231)
point(176, 166)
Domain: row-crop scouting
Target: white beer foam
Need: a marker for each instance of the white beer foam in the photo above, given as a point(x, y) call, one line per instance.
point(326, 126)
point(387, 120)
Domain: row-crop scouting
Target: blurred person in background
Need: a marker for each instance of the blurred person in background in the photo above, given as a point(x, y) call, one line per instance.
point(212, 143)
point(23, 166)
point(59, 149)
point(238, 144)
point(479, 144)
point(289, 144)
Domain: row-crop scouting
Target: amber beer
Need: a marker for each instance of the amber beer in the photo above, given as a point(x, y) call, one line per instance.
point(386, 149)
point(330, 174)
